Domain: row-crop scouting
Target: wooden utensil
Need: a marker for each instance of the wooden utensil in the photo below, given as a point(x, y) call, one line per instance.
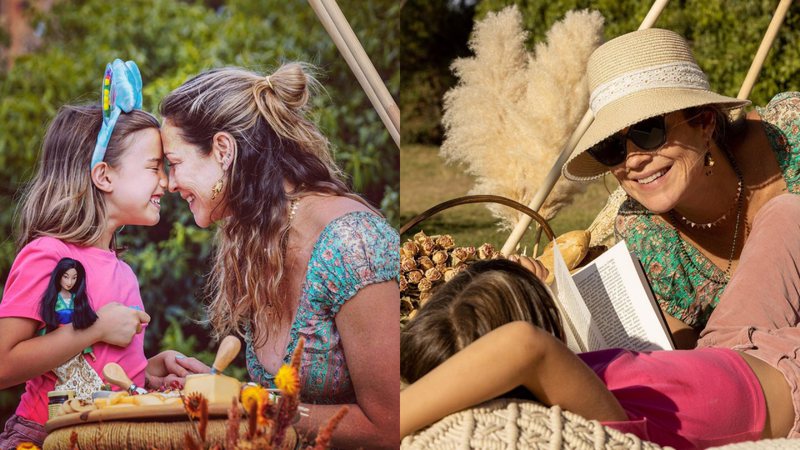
point(227, 351)
point(215, 386)
point(115, 374)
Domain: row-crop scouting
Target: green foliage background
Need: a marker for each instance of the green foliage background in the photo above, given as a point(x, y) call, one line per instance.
point(725, 35)
point(170, 41)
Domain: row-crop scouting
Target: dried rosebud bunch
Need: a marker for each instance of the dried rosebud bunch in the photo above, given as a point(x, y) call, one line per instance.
point(427, 247)
point(403, 283)
point(449, 273)
point(406, 305)
point(420, 237)
point(458, 256)
point(425, 285)
point(425, 262)
point(486, 251)
point(415, 276)
point(433, 274)
point(439, 257)
point(409, 249)
point(407, 264)
point(445, 241)
point(470, 252)
point(423, 297)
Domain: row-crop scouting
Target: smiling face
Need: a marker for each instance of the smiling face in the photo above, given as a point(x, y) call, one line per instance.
point(662, 179)
point(69, 279)
point(192, 175)
point(139, 181)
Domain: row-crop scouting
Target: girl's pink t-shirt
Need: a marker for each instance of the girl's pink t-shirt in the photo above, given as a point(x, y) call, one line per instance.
point(108, 279)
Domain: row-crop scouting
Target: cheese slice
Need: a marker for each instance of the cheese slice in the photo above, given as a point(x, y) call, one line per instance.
point(215, 388)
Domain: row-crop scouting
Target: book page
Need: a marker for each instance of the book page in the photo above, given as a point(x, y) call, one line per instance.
point(620, 302)
point(570, 332)
point(576, 317)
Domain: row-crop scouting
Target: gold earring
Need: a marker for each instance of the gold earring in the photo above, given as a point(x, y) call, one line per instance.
point(709, 164)
point(216, 189)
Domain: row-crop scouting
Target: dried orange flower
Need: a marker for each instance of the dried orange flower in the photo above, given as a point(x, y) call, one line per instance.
point(250, 395)
point(193, 404)
point(325, 434)
point(287, 380)
point(265, 410)
point(27, 446)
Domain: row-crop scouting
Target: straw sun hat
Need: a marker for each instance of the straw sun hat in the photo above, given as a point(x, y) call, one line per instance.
point(636, 76)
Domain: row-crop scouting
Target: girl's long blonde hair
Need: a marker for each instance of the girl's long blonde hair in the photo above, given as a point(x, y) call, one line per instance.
point(275, 142)
point(61, 201)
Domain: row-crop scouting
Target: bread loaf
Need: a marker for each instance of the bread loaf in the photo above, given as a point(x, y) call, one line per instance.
point(573, 246)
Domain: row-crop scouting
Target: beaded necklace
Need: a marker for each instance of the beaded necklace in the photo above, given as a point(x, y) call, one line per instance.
point(740, 197)
point(705, 226)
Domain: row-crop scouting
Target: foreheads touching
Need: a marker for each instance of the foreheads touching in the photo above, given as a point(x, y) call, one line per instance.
point(232, 138)
point(486, 296)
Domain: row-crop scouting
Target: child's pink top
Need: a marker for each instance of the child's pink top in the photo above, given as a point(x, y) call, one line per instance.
point(108, 280)
point(683, 398)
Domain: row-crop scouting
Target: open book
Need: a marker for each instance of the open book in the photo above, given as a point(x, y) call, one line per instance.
point(609, 304)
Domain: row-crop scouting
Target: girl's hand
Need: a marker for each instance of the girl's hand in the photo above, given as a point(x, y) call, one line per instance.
point(117, 324)
point(533, 266)
point(170, 366)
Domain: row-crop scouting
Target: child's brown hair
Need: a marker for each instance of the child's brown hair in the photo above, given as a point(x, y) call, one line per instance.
point(487, 295)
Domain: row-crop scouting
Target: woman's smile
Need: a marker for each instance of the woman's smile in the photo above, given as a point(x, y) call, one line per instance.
point(651, 178)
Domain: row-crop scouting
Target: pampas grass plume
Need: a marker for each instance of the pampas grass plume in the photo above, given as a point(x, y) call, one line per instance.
point(512, 111)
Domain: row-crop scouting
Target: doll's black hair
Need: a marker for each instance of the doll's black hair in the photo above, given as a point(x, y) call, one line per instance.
point(83, 316)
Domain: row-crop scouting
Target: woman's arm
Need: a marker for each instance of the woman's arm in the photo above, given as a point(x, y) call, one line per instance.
point(516, 354)
point(369, 326)
point(25, 355)
point(684, 336)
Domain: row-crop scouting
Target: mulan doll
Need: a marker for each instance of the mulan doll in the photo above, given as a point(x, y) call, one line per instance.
point(66, 301)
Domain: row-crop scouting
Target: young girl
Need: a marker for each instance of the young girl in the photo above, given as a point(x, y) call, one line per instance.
point(494, 328)
point(71, 209)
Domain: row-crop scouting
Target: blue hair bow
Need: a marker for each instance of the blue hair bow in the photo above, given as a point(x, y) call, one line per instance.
point(122, 93)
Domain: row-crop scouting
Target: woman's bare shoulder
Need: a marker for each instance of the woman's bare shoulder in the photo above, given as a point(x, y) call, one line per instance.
point(322, 209)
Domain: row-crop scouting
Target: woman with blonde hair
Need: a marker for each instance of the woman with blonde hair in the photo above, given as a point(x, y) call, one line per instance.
point(298, 255)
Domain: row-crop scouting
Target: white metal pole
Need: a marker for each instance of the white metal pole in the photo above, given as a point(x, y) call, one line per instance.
point(347, 42)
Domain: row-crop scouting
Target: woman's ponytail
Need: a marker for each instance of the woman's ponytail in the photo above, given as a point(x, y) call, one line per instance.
point(282, 100)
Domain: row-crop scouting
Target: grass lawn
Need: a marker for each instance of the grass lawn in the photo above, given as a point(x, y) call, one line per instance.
point(426, 180)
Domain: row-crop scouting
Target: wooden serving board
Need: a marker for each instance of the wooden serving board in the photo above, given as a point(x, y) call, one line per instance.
point(138, 413)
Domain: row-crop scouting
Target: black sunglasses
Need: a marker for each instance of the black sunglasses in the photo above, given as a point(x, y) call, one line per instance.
point(649, 134)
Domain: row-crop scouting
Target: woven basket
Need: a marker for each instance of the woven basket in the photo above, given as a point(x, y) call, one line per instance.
point(519, 424)
point(130, 435)
point(769, 444)
point(468, 199)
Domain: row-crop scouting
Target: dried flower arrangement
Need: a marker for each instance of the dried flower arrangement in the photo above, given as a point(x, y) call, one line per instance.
point(268, 421)
point(427, 261)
